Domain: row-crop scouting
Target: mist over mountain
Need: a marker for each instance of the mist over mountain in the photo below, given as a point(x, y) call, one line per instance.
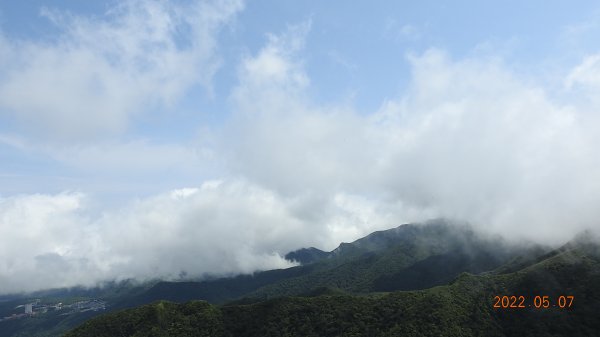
point(439, 266)
point(327, 299)
point(273, 167)
point(168, 140)
point(408, 257)
point(306, 255)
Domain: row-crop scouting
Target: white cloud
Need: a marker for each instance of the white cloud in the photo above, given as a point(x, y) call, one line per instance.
point(470, 139)
point(486, 146)
point(36, 229)
point(48, 241)
point(219, 228)
point(277, 137)
point(586, 74)
point(273, 74)
point(100, 72)
point(401, 32)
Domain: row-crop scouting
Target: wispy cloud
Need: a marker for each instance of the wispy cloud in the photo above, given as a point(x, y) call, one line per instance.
point(100, 72)
point(397, 31)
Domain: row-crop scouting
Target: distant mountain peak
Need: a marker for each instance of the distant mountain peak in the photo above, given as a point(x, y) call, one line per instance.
point(306, 255)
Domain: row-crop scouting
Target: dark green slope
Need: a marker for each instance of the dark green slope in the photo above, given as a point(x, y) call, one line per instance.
point(55, 323)
point(215, 291)
point(307, 255)
point(373, 263)
point(408, 257)
point(50, 325)
point(463, 308)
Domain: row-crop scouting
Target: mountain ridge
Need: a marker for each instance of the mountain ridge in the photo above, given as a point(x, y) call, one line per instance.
point(464, 307)
point(408, 258)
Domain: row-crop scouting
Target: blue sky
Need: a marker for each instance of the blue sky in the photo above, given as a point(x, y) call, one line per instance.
point(128, 128)
point(355, 54)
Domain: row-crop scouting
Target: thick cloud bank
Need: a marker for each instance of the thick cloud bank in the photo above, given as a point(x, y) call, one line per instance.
point(469, 140)
point(216, 229)
point(220, 228)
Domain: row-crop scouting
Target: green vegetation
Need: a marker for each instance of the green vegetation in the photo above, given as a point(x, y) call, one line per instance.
point(462, 308)
point(160, 319)
point(408, 257)
point(433, 279)
point(47, 325)
point(55, 323)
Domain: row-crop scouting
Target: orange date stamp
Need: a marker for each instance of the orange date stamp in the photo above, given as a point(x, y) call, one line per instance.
point(537, 302)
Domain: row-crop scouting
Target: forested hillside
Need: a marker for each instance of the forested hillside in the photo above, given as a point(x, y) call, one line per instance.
point(463, 308)
point(557, 293)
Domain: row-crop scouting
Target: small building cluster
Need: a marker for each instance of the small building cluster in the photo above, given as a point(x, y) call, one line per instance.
point(36, 307)
point(82, 306)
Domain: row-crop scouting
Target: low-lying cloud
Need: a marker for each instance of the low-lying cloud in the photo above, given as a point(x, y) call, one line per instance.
point(220, 228)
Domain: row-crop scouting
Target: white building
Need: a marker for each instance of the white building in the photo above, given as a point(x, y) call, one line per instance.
point(29, 308)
